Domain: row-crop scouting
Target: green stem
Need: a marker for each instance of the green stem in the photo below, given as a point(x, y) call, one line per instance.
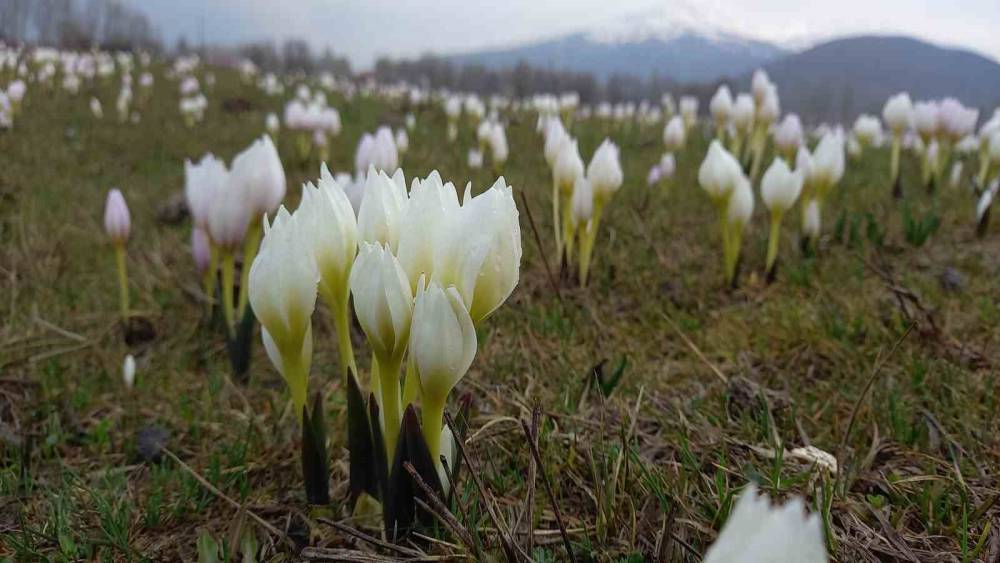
point(122, 280)
point(342, 324)
point(757, 150)
point(228, 273)
point(296, 376)
point(587, 244)
point(568, 232)
point(411, 385)
point(251, 244)
point(209, 278)
point(432, 420)
point(984, 167)
point(772, 240)
point(894, 159)
point(737, 145)
point(388, 372)
point(736, 236)
point(555, 218)
point(726, 246)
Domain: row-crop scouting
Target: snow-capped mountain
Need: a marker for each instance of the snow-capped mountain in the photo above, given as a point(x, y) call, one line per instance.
point(677, 45)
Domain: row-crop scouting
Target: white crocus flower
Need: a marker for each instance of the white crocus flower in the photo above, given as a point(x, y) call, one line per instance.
point(383, 303)
point(442, 344)
point(282, 282)
point(481, 252)
point(382, 208)
point(757, 532)
point(329, 228)
point(432, 204)
point(780, 188)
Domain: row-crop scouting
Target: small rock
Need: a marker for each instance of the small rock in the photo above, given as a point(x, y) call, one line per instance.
point(952, 279)
point(149, 443)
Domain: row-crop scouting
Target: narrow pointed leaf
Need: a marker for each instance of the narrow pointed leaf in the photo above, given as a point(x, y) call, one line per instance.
point(361, 448)
point(315, 463)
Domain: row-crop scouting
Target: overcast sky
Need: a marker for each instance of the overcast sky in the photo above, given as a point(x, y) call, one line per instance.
point(365, 29)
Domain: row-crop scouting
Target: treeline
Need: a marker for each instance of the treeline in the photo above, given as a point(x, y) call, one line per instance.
point(77, 24)
point(294, 55)
point(525, 80)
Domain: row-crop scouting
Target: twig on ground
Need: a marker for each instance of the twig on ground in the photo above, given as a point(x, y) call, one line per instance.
point(548, 490)
point(235, 504)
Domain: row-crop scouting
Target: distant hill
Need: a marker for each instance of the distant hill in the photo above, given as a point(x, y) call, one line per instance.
point(834, 81)
point(681, 54)
point(839, 79)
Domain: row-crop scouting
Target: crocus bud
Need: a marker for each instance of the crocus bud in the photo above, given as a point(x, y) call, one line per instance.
point(229, 214)
point(926, 119)
point(583, 201)
point(498, 144)
point(868, 130)
point(769, 108)
point(760, 83)
point(272, 123)
point(811, 219)
point(605, 171)
point(898, 113)
point(956, 120)
point(201, 249)
point(363, 154)
point(383, 301)
point(282, 292)
point(673, 134)
point(667, 165)
point(385, 156)
point(780, 187)
point(483, 132)
point(721, 106)
point(788, 134)
point(475, 159)
point(402, 141)
point(382, 208)
point(828, 161)
point(756, 531)
point(740, 203)
point(117, 221)
point(201, 181)
point(431, 206)
point(329, 228)
point(568, 166)
point(803, 162)
point(259, 173)
point(555, 136)
point(743, 113)
point(128, 371)
point(718, 172)
point(481, 253)
point(442, 339)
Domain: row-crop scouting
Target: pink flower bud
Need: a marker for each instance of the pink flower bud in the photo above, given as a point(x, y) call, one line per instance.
point(117, 221)
point(200, 249)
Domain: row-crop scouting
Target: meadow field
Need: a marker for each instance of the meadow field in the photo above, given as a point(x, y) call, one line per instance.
point(654, 395)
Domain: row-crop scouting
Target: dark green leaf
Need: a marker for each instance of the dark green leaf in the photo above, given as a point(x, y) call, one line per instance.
point(361, 448)
point(315, 463)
